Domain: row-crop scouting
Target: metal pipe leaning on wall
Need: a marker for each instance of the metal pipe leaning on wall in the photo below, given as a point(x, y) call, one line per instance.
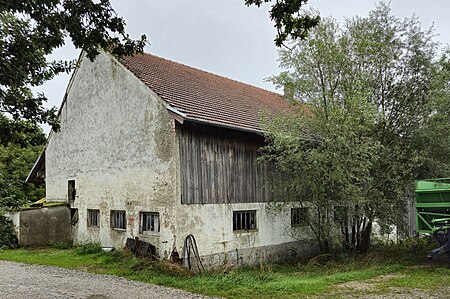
point(190, 248)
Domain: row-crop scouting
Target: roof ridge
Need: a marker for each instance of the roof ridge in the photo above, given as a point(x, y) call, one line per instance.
point(211, 73)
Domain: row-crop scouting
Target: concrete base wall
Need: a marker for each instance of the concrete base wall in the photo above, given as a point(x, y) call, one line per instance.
point(39, 227)
point(257, 255)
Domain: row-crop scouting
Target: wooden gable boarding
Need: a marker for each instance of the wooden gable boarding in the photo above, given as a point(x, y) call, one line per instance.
point(220, 166)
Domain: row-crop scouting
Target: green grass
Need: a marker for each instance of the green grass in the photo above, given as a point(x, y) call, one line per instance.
point(301, 279)
point(426, 277)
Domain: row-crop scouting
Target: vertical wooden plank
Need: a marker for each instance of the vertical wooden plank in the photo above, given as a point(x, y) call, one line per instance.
point(234, 173)
point(188, 167)
point(213, 171)
point(251, 174)
point(244, 178)
point(223, 170)
point(239, 173)
point(194, 168)
point(184, 170)
point(241, 177)
point(203, 171)
point(199, 175)
point(208, 180)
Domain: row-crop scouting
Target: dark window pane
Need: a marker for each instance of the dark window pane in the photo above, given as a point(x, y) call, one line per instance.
point(244, 220)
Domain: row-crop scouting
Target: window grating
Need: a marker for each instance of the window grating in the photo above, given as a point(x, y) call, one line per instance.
point(118, 220)
point(93, 218)
point(149, 222)
point(244, 220)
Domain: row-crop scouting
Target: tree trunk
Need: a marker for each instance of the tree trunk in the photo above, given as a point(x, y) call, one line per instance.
point(365, 238)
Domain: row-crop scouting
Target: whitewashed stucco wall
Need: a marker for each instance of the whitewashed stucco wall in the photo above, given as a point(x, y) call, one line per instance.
point(117, 142)
point(212, 227)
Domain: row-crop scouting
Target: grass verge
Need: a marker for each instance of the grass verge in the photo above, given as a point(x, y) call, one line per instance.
point(313, 277)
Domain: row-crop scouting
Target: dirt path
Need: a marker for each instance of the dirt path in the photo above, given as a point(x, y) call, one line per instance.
point(367, 289)
point(29, 281)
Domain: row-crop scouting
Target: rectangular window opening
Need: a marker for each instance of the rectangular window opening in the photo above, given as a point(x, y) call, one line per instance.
point(149, 222)
point(93, 218)
point(118, 219)
point(299, 216)
point(71, 190)
point(244, 220)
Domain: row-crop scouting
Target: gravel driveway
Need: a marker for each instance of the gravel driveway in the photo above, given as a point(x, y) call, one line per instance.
point(29, 281)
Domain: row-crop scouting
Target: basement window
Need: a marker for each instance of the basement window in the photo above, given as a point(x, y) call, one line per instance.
point(149, 222)
point(299, 216)
point(244, 220)
point(93, 219)
point(118, 220)
point(71, 190)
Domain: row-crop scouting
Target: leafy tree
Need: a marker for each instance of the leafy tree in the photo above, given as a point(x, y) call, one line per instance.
point(15, 164)
point(289, 21)
point(29, 31)
point(327, 158)
point(365, 91)
point(433, 138)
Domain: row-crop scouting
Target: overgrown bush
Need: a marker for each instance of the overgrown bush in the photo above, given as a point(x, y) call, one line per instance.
point(88, 248)
point(60, 245)
point(8, 236)
point(414, 245)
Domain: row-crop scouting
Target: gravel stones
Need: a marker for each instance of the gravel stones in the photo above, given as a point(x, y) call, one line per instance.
point(19, 280)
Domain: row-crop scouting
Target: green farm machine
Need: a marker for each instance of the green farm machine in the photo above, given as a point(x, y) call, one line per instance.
point(433, 212)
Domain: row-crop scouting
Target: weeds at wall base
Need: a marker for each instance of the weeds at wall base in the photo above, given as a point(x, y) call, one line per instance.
point(60, 245)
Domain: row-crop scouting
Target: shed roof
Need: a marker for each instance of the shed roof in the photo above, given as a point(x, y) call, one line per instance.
point(203, 96)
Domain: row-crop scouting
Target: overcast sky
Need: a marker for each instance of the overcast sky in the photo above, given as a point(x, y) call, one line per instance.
point(227, 38)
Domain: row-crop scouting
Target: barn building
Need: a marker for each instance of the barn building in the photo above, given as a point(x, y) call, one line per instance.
point(154, 149)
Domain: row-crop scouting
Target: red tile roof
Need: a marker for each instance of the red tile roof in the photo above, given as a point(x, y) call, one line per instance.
point(203, 96)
